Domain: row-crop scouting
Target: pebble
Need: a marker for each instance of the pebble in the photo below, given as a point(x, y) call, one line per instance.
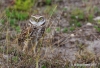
point(89, 24)
point(80, 30)
point(72, 35)
point(97, 18)
point(5, 56)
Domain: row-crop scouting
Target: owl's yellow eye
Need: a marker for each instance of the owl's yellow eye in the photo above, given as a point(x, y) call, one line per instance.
point(34, 19)
point(41, 19)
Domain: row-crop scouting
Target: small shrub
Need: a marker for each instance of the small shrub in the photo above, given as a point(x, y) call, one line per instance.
point(18, 15)
point(21, 15)
point(23, 5)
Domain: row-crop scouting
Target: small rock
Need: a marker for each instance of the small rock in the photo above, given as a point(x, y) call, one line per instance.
point(89, 24)
point(5, 56)
point(67, 8)
point(80, 30)
point(76, 17)
point(97, 18)
point(72, 35)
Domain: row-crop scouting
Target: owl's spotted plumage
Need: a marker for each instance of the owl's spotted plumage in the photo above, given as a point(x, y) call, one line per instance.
point(32, 33)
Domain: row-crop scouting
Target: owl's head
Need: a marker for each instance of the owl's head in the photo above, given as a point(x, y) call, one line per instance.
point(37, 20)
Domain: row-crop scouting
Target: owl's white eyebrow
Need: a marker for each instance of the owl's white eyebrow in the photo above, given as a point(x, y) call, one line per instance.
point(32, 22)
point(37, 17)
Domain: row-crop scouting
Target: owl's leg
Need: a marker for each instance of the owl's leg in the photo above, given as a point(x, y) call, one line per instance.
point(25, 46)
point(34, 47)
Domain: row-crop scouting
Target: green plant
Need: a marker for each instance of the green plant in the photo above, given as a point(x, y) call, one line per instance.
point(73, 17)
point(81, 16)
point(10, 14)
point(2, 21)
point(48, 30)
point(17, 28)
point(90, 17)
point(64, 9)
point(18, 15)
point(48, 2)
point(72, 28)
point(1, 49)
point(58, 29)
point(78, 24)
point(23, 5)
point(65, 30)
point(77, 14)
point(97, 28)
point(21, 15)
point(15, 58)
point(44, 66)
point(14, 16)
point(12, 21)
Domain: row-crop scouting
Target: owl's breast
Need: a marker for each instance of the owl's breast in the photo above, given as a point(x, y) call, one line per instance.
point(32, 33)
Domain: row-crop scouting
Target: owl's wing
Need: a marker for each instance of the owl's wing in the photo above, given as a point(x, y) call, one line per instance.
point(25, 34)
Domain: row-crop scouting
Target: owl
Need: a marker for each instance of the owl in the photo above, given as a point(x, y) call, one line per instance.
point(32, 33)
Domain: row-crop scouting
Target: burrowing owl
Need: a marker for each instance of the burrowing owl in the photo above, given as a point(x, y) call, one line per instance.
point(32, 33)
